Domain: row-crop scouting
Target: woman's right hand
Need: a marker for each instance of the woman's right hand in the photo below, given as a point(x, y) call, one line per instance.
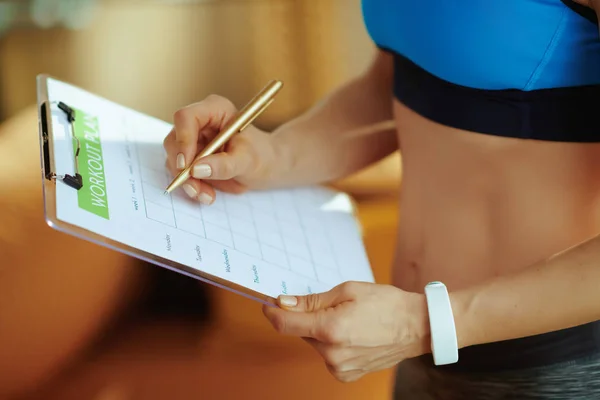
point(246, 159)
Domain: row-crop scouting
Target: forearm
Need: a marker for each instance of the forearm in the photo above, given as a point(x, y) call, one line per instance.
point(320, 146)
point(555, 294)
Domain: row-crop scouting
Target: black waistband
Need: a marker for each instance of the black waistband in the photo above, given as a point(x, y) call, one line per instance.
point(530, 352)
point(561, 114)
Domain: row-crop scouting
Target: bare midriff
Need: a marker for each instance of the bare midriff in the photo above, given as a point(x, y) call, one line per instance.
point(474, 206)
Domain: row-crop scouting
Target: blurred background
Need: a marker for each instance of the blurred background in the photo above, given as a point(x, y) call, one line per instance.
point(82, 322)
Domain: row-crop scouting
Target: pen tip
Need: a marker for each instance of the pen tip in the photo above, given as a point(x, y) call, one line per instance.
point(166, 192)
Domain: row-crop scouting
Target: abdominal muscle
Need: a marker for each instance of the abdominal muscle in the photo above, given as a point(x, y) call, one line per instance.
point(475, 206)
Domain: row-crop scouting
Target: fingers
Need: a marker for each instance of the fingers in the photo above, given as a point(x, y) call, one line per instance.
point(344, 376)
point(199, 191)
point(318, 301)
point(339, 357)
point(229, 186)
point(309, 325)
point(348, 364)
point(341, 362)
point(196, 125)
point(323, 325)
point(209, 114)
point(194, 188)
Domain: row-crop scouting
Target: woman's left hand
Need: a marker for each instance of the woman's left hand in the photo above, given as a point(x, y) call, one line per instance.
point(356, 327)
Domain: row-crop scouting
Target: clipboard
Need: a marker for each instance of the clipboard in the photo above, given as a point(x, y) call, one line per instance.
point(63, 178)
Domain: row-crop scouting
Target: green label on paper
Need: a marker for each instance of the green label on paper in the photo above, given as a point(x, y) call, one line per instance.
point(92, 196)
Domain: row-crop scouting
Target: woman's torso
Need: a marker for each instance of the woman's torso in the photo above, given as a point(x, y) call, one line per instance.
point(474, 206)
point(477, 205)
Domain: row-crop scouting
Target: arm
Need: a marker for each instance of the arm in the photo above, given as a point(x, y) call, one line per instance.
point(320, 143)
point(558, 293)
point(327, 143)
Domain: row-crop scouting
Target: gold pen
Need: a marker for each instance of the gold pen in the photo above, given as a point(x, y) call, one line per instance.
point(238, 123)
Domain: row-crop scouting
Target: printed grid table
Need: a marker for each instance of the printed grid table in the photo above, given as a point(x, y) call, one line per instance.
point(269, 226)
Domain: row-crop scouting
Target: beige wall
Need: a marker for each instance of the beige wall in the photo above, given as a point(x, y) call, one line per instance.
point(156, 58)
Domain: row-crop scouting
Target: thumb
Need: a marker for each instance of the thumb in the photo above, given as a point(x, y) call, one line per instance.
point(313, 302)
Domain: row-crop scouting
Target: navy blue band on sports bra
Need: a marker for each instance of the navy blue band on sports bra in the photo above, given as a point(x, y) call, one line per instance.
point(569, 114)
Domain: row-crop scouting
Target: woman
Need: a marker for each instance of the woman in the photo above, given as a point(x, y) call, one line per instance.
point(494, 112)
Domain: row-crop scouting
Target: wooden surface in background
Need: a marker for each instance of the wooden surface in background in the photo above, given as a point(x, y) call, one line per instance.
point(157, 57)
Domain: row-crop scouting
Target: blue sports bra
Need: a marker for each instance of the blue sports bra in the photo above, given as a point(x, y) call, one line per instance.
point(518, 68)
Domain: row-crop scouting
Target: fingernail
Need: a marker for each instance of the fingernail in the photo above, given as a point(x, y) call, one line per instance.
point(288, 301)
point(180, 161)
point(205, 198)
point(189, 190)
point(201, 171)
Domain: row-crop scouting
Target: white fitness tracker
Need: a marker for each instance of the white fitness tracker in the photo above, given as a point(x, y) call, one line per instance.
point(444, 343)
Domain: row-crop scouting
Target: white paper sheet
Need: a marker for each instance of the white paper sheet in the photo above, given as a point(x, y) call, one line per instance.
point(294, 241)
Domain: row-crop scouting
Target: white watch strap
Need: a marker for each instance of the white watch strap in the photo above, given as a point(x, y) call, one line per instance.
point(444, 343)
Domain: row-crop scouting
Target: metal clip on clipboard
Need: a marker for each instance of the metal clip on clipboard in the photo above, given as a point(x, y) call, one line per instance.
point(74, 181)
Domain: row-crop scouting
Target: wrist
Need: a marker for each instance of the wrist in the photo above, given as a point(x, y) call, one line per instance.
point(462, 305)
point(283, 157)
point(269, 155)
point(420, 331)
